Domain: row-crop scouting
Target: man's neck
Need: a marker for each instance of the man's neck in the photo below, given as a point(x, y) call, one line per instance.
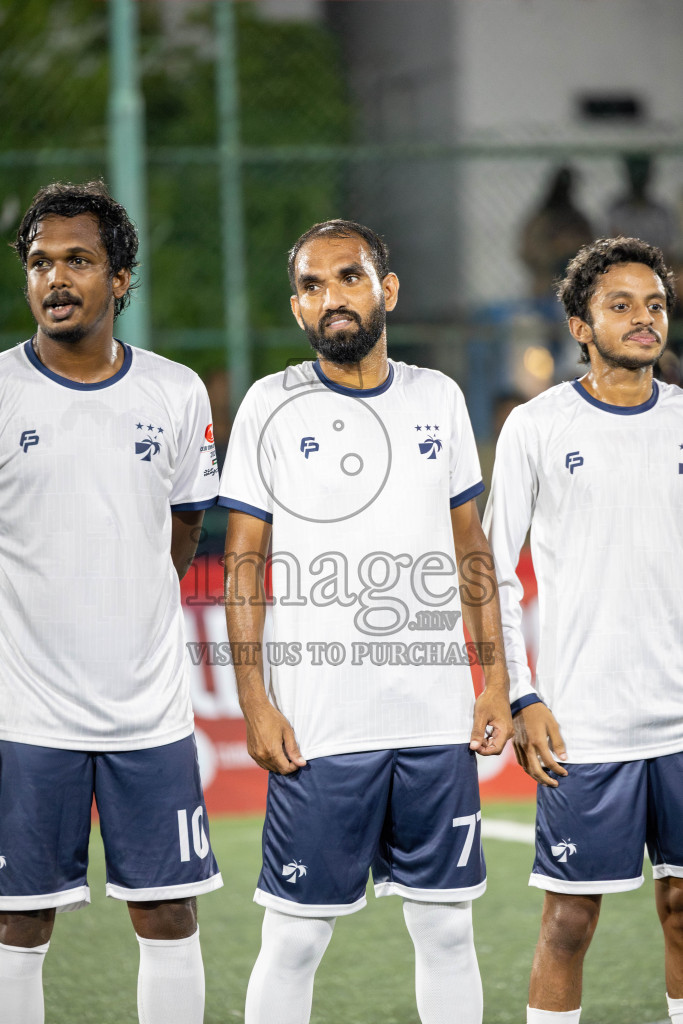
point(615, 385)
point(370, 372)
point(89, 361)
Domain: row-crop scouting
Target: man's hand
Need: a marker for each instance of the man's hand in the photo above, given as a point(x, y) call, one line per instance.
point(537, 736)
point(270, 739)
point(492, 724)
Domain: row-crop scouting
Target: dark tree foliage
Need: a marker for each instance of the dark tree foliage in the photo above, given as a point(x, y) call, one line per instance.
point(54, 94)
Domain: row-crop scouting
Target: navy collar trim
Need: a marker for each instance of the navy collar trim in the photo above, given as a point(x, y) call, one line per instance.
point(74, 384)
point(354, 392)
point(619, 410)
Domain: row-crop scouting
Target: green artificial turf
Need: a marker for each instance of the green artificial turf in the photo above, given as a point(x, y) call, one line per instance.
point(366, 976)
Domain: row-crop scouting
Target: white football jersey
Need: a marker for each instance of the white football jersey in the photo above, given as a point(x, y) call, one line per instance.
point(367, 650)
point(602, 488)
point(92, 652)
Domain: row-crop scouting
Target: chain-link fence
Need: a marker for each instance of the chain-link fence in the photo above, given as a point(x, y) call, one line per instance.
point(301, 161)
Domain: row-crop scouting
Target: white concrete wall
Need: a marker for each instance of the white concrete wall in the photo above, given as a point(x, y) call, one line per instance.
point(523, 62)
point(522, 66)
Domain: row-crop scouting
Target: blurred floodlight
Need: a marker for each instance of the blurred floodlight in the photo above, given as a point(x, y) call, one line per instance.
point(539, 363)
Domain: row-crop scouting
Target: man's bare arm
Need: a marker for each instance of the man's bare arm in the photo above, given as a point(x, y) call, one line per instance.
point(186, 529)
point(270, 737)
point(492, 725)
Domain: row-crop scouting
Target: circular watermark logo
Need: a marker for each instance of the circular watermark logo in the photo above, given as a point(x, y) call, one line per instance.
point(319, 463)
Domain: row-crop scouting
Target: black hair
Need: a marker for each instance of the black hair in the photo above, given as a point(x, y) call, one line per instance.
point(63, 199)
point(379, 251)
point(576, 288)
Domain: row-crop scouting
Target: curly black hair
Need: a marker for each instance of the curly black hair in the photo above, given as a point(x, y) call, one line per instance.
point(63, 199)
point(576, 288)
point(379, 251)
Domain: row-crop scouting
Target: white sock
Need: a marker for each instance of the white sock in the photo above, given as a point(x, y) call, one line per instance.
point(171, 981)
point(675, 1009)
point(281, 985)
point(534, 1016)
point(21, 984)
point(447, 980)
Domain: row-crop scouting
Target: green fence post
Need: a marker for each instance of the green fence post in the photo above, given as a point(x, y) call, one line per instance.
point(127, 170)
point(232, 215)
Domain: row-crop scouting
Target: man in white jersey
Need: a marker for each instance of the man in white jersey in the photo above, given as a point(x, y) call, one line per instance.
point(106, 465)
point(367, 470)
point(595, 467)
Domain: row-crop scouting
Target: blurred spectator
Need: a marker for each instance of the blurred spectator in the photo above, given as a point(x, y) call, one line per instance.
point(553, 233)
point(637, 215)
point(503, 404)
point(668, 368)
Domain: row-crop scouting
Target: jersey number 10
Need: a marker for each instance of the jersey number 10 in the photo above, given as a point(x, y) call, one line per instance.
point(199, 837)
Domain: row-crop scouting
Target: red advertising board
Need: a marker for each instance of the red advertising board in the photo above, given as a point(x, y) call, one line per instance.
point(233, 783)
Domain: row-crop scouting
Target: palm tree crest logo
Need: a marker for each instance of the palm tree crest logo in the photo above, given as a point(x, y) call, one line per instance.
point(149, 445)
point(431, 445)
point(563, 850)
point(293, 870)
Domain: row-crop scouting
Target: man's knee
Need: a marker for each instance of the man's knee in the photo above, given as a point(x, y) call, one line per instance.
point(26, 928)
point(295, 943)
point(569, 922)
point(165, 919)
point(439, 927)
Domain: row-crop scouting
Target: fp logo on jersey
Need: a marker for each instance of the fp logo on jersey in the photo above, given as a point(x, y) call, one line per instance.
point(573, 461)
point(28, 439)
point(308, 445)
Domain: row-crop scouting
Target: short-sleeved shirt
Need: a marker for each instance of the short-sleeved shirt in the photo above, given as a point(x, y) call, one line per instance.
point(367, 651)
point(92, 652)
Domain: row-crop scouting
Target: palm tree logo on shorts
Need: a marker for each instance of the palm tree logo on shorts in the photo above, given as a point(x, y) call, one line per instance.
point(293, 870)
point(563, 850)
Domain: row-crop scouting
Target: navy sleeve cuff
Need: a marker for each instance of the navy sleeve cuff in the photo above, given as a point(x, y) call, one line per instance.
point(194, 506)
point(241, 506)
point(467, 495)
point(524, 702)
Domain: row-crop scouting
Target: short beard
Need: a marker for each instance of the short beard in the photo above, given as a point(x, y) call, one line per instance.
point(70, 336)
point(349, 347)
point(624, 361)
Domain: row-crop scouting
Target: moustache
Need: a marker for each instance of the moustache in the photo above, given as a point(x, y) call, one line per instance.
point(328, 317)
point(653, 334)
point(61, 299)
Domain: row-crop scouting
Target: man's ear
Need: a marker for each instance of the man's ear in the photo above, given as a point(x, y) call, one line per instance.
point(296, 311)
point(580, 330)
point(120, 283)
point(390, 286)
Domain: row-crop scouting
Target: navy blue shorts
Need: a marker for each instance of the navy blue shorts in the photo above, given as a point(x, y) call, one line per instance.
point(592, 830)
point(152, 816)
point(412, 815)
